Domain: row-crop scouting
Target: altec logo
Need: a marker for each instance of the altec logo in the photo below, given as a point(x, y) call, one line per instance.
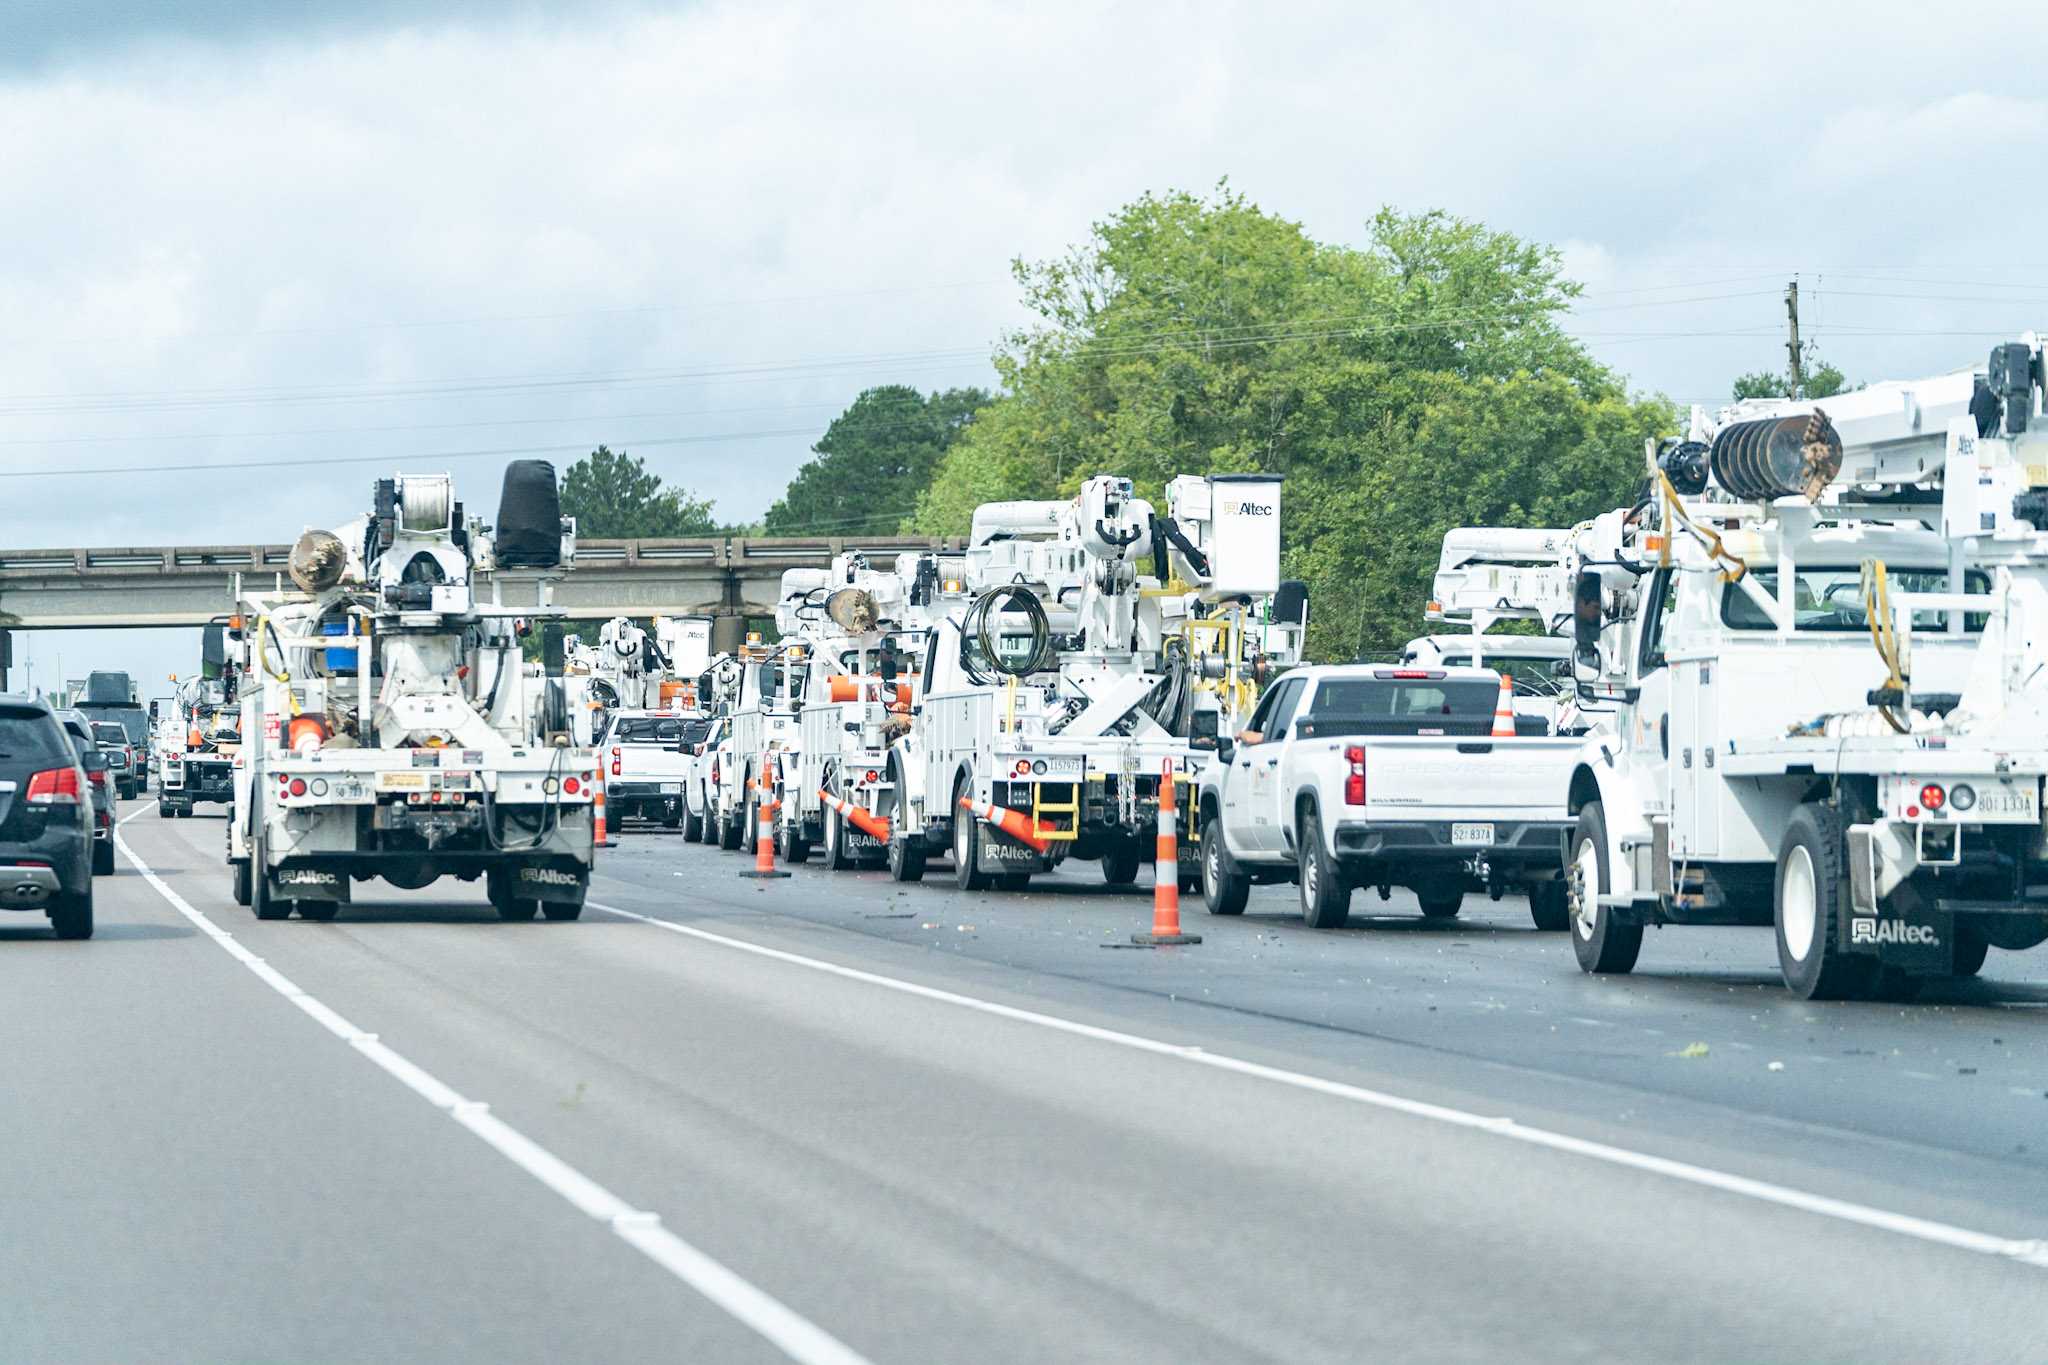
point(306, 876)
point(548, 876)
point(1892, 931)
point(1254, 509)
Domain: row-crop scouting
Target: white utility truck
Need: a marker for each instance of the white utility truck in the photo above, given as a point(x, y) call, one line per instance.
point(645, 765)
point(1824, 639)
point(1375, 775)
point(196, 733)
point(1488, 576)
point(762, 735)
point(866, 642)
point(400, 733)
point(1100, 644)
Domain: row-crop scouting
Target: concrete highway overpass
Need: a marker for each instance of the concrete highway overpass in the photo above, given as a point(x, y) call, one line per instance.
point(726, 577)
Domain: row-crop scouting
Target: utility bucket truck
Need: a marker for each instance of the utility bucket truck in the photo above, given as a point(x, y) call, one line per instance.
point(866, 627)
point(401, 735)
point(196, 732)
point(1824, 642)
point(1100, 645)
point(1488, 576)
point(762, 736)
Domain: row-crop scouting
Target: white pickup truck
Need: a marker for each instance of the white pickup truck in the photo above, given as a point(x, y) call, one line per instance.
point(645, 766)
point(1367, 775)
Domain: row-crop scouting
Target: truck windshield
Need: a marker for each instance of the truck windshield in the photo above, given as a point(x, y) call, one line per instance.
point(1404, 698)
point(108, 733)
point(1832, 599)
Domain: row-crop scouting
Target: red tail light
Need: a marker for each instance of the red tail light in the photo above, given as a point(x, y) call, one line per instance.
point(615, 767)
point(297, 786)
point(53, 786)
point(1354, 780)
point(570, 786)
point(103, 778)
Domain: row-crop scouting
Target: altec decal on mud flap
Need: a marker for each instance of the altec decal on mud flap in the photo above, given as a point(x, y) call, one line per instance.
point(307, 876)
point(1876, 931)
point(997, 849)
point(549, 876)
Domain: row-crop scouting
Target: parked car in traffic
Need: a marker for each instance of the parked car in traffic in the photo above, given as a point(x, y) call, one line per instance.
point(124, 760)
point(46, 819)
point(99, 785)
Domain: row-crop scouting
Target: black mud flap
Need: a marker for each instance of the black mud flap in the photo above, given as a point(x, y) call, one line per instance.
point(1001, 853)
point(292, 883)
point(1919, 942)
point(552, 882)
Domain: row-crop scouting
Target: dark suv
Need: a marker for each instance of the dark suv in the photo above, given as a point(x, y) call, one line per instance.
point(46, 818)
point(99, 778)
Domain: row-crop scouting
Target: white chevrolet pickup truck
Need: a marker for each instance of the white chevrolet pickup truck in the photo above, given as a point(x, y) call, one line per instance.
point(645, 765)
point(1367, 775)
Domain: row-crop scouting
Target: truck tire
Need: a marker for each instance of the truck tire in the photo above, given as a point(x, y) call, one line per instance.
point(265, 905)
point(71, 915)
point(792, 845)
point(1811, 895)
point(242, 882)
point(1225, 887)
point(1013, 881)
point(729, 831)
point(1550, 905)
point(1603, 943)
point(562, 911)
point(907, 856)
point(163, 810)
point(1325, 898)
point(1440, 902)
point(103, 858)
point(320, 912)
point(966, 875)
point(511, 908)
point(837, 859)
point(1120, 865)
point(184, 812)
point(693, 826)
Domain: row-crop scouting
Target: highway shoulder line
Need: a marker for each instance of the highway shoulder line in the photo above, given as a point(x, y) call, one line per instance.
point(796, 1336)
point(2028, 1251)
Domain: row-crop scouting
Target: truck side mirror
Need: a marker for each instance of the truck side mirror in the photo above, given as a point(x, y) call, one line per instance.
point(1226, 748)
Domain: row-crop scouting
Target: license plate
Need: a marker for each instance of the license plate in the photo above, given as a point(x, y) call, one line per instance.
point(2001, 803)
point(671, 789)
point(1468, 836)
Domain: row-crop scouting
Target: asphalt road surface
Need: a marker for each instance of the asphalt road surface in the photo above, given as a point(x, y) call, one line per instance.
point(832, 1118)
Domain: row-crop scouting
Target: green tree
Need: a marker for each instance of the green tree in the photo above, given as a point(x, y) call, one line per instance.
point(614, 494)
point(872, 462)
point(1820, 380)
point(1418, 383)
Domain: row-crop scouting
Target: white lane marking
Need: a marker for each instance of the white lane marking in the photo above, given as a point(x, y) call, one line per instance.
point(2030, 1251)
point(796, 1336)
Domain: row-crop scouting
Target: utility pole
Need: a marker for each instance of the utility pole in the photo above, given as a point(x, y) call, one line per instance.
point(1792, 340)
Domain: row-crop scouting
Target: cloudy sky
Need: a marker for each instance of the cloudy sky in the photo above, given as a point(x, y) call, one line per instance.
point(251, 257)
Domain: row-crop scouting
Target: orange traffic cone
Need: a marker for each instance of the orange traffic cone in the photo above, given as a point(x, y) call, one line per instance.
point(1504, 710)
point(764, 835)
point(604, 840)
point(861, 818)
point(1166, 871)
point(1014, 823)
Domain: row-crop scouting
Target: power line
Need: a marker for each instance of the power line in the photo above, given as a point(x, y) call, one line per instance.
point(1149, 340)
